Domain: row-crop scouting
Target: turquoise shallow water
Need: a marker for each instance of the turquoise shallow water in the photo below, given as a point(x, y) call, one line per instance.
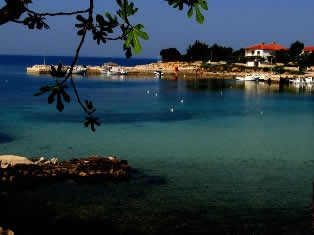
point(230, 150)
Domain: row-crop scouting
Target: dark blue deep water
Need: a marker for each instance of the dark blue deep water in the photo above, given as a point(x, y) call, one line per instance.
point(229, 151)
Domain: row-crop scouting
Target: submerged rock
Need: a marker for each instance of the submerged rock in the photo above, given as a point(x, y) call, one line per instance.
point(4, 138)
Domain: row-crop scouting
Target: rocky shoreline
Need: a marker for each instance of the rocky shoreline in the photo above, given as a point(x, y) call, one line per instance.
point(193, 70)
point(6, 232)
point(20, 173)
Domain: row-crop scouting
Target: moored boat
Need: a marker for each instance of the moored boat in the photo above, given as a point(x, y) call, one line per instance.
point(116, 70)
point(252, 77)
point(308, 80)
point(104, 68)
point(295, 81)
point(158, 73)
point(38, 68)
point(78, 70)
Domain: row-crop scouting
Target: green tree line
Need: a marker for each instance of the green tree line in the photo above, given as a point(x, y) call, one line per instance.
point(200, 51)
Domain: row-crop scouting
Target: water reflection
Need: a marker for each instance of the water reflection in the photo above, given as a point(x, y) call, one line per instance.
point(49, 77)
point(217, 85)
point(113, 77)
point(249, 87)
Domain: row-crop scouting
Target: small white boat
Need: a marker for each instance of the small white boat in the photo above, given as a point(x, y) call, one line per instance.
point(295, 81)
point(38, 68)
point(158, 73)
point(252, 77)
point(261, 78)
point(78, 70)
point(308, 80)
point(116, 71)
point(103, 70)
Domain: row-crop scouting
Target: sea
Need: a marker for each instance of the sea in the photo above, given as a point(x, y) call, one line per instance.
point(208, 155)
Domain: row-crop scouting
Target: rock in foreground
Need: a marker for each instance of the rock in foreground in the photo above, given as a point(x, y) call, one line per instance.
point(6, 232)
point(93, 169)
point(12, 160)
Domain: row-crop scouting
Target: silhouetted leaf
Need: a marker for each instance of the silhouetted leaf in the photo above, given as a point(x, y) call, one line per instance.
point(57, 90)
point(84, 24)
point(60, 72)
point(104, 27)
point(43, 90)
point(126, 9)
point(35, 20)
point(51, 97)
point(89, 106)
point(193, 5)
point(66, 97)
point(59, 105)
point(92, 121)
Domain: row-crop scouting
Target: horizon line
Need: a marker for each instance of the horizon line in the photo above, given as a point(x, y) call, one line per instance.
point(79, 56)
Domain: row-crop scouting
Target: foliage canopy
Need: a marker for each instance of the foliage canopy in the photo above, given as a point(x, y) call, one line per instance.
point(296, 49)
point(170, 54)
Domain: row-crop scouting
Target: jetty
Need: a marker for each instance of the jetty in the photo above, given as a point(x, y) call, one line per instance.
point(38, 69)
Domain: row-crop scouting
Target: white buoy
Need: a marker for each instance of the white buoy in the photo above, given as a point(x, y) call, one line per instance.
point(156, 94)
point(182, 101)
point(147, 91)
point(171, 110)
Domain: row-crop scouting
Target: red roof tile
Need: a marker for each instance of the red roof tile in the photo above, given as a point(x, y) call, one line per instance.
point(272, 46)
point(309, 48)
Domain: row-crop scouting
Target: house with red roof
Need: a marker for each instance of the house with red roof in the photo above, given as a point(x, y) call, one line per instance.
point(308, 49)
point(262, 53)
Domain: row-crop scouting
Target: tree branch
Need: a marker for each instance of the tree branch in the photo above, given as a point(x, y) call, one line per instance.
point(18, 21)
point(11, 11)
point(90, 15)
point(58, 13)
point(78, 97)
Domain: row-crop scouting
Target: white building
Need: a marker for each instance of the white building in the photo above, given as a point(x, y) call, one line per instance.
point(261, 53)
point(308, 49)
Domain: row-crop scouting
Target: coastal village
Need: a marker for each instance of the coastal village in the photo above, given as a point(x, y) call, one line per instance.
point(259, 59)
point(123, 117)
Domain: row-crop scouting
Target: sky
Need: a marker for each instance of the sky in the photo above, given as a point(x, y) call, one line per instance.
point(232, 23)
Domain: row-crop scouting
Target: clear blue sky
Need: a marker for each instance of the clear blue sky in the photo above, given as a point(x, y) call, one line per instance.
point(235, 23)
